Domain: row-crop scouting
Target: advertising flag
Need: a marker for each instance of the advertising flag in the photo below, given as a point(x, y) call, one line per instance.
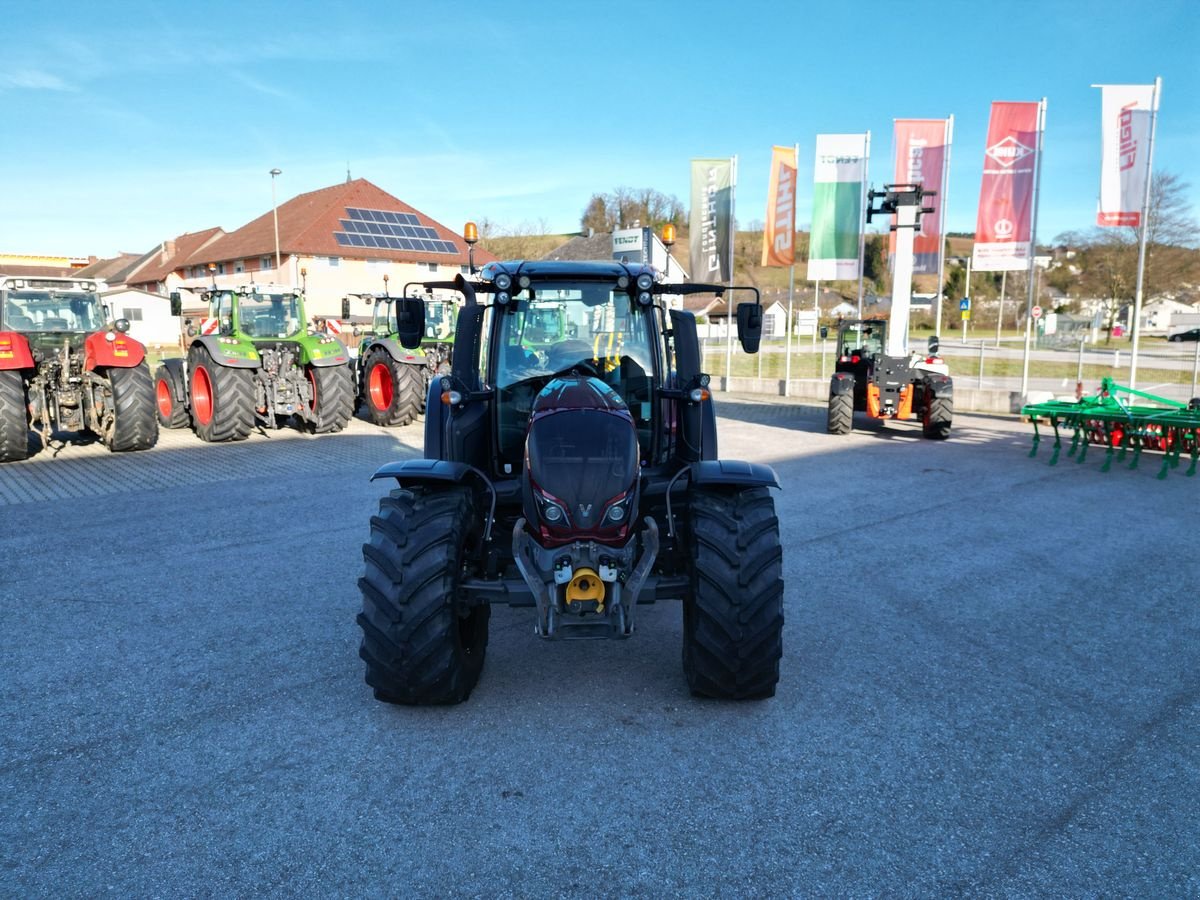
point(921, 150)
point(711, 219)
point(1125, 135)
point(838, 174)
point(779, 237)
point(1004, 228)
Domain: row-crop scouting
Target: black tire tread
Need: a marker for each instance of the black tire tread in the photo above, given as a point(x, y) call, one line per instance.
point(14, 417)
point(733, 618)
point(179, 414)
point(408, 389)
point(936, 422)
point(335, 398)
point(233, 399)
point(841, 413)
point(135, 421)
point(411, 628)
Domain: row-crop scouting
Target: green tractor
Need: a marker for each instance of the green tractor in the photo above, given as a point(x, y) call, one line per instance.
point(392, 380)
point(66, 365)
point(254, 361)
point(581, 479)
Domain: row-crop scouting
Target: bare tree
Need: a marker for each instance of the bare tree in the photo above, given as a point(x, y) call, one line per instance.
point(626, 207)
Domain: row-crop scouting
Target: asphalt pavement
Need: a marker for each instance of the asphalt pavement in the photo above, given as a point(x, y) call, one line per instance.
point(989, 687)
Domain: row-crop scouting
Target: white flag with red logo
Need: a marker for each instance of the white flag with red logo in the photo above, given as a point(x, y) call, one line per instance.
point(1004, 227)
point(1125, 135)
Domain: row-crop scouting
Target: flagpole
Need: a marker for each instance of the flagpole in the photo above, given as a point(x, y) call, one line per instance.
point(1037, 183)
point(948, 140)
point(862, 217)
point(729, 294)
point(1136, 324)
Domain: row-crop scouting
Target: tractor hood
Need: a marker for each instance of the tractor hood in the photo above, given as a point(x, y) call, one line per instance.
point(581, 462)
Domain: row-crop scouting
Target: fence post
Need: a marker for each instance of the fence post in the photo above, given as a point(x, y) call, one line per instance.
point(981, 362)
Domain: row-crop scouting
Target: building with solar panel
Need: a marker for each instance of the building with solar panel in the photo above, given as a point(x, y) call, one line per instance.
point(339, 241)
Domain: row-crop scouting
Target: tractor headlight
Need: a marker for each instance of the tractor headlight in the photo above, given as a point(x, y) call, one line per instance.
point(645, 281)
point(503, 282)
point(552, 513)
point(503, 297)
point(619, 511)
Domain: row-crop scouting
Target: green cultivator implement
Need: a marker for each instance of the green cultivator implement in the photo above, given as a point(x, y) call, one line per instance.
point(1170, 427)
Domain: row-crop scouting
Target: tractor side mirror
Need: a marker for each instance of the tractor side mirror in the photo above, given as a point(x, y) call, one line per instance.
point(749, 326)
point(176, 304)
point(933, 345)
point(410, 321)
point(345, 307)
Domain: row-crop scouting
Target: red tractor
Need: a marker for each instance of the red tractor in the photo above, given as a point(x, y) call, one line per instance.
point(66, 366)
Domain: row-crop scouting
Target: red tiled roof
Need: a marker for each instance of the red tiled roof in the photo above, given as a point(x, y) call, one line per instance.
point(307, 224)
point(186, 246)
point(39, 271)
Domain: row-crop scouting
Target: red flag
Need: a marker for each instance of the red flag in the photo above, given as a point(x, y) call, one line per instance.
point(1004, 229)
point(921, 147)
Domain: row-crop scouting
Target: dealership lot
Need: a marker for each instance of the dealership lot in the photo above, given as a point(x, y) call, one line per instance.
point(989, 686)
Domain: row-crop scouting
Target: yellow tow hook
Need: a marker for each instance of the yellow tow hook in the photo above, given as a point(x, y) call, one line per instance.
point(585, 586)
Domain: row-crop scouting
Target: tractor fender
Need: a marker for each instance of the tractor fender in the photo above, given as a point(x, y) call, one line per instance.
point(122, 352)
point(732, 472)
point(841, 383)
point(217, 351)
point(415, 471)
point(176, 378)
point(329, 351)
point(14, 351)
point(398, 353)
point(939, 385)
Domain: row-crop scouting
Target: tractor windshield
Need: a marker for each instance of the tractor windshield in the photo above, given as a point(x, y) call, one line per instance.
point(381, 320)
point(862, 339)
point(72, 312)
point(559, 327)
point(270, 315)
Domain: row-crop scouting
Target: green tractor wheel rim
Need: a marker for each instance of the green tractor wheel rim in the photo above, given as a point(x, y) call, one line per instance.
point(379, 385)
point(202, 398)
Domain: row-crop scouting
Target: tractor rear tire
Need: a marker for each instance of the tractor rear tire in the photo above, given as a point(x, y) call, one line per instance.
point(14, 417)
point(222, 398)
point(841, 413)
point(171, 413)
point(333, 398)
point(393, 392)
point(733, 615)
point(134, 425)
point(421, 643)
point(935, 423)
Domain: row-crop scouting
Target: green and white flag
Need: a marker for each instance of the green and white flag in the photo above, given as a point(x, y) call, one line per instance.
point(711, 219)
point(838, 175)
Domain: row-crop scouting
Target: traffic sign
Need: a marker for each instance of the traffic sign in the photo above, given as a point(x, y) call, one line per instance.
point(966, 315)
point(1036, 312)
point(964, 304)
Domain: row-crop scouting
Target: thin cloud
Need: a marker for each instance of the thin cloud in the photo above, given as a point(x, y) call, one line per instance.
point(262, 87)
point(33, 80)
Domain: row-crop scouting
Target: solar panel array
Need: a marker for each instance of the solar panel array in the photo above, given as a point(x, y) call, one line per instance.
point(389, 231)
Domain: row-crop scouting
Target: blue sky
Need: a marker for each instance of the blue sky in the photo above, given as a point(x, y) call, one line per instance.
point(128, 123)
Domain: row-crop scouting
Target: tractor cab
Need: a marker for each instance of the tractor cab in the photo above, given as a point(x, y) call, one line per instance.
point(561, 328)
point(258, 312)
point(50, 305)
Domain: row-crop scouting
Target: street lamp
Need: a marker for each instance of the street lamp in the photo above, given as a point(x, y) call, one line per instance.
point(275, 214)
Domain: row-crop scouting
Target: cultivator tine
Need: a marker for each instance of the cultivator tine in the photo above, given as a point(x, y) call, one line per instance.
point(1167, 426)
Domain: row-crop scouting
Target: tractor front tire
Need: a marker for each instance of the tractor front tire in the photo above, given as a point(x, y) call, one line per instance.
point(935, 422)
point(841, 413)
point(333, 398)
point(14, 417)
point(171, 413)
point(422, 644)
point(134, 426)
point(222, 398)
point(733, 615)
point(394, 392)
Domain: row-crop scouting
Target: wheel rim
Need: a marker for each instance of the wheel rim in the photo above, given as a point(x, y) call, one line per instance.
point(379, 385)
point(202, 395)
point(165, 403)
point(312, 380)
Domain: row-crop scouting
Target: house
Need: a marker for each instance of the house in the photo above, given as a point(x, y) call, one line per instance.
point(349, 238)
point(1156, 315)
point(149, 315)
